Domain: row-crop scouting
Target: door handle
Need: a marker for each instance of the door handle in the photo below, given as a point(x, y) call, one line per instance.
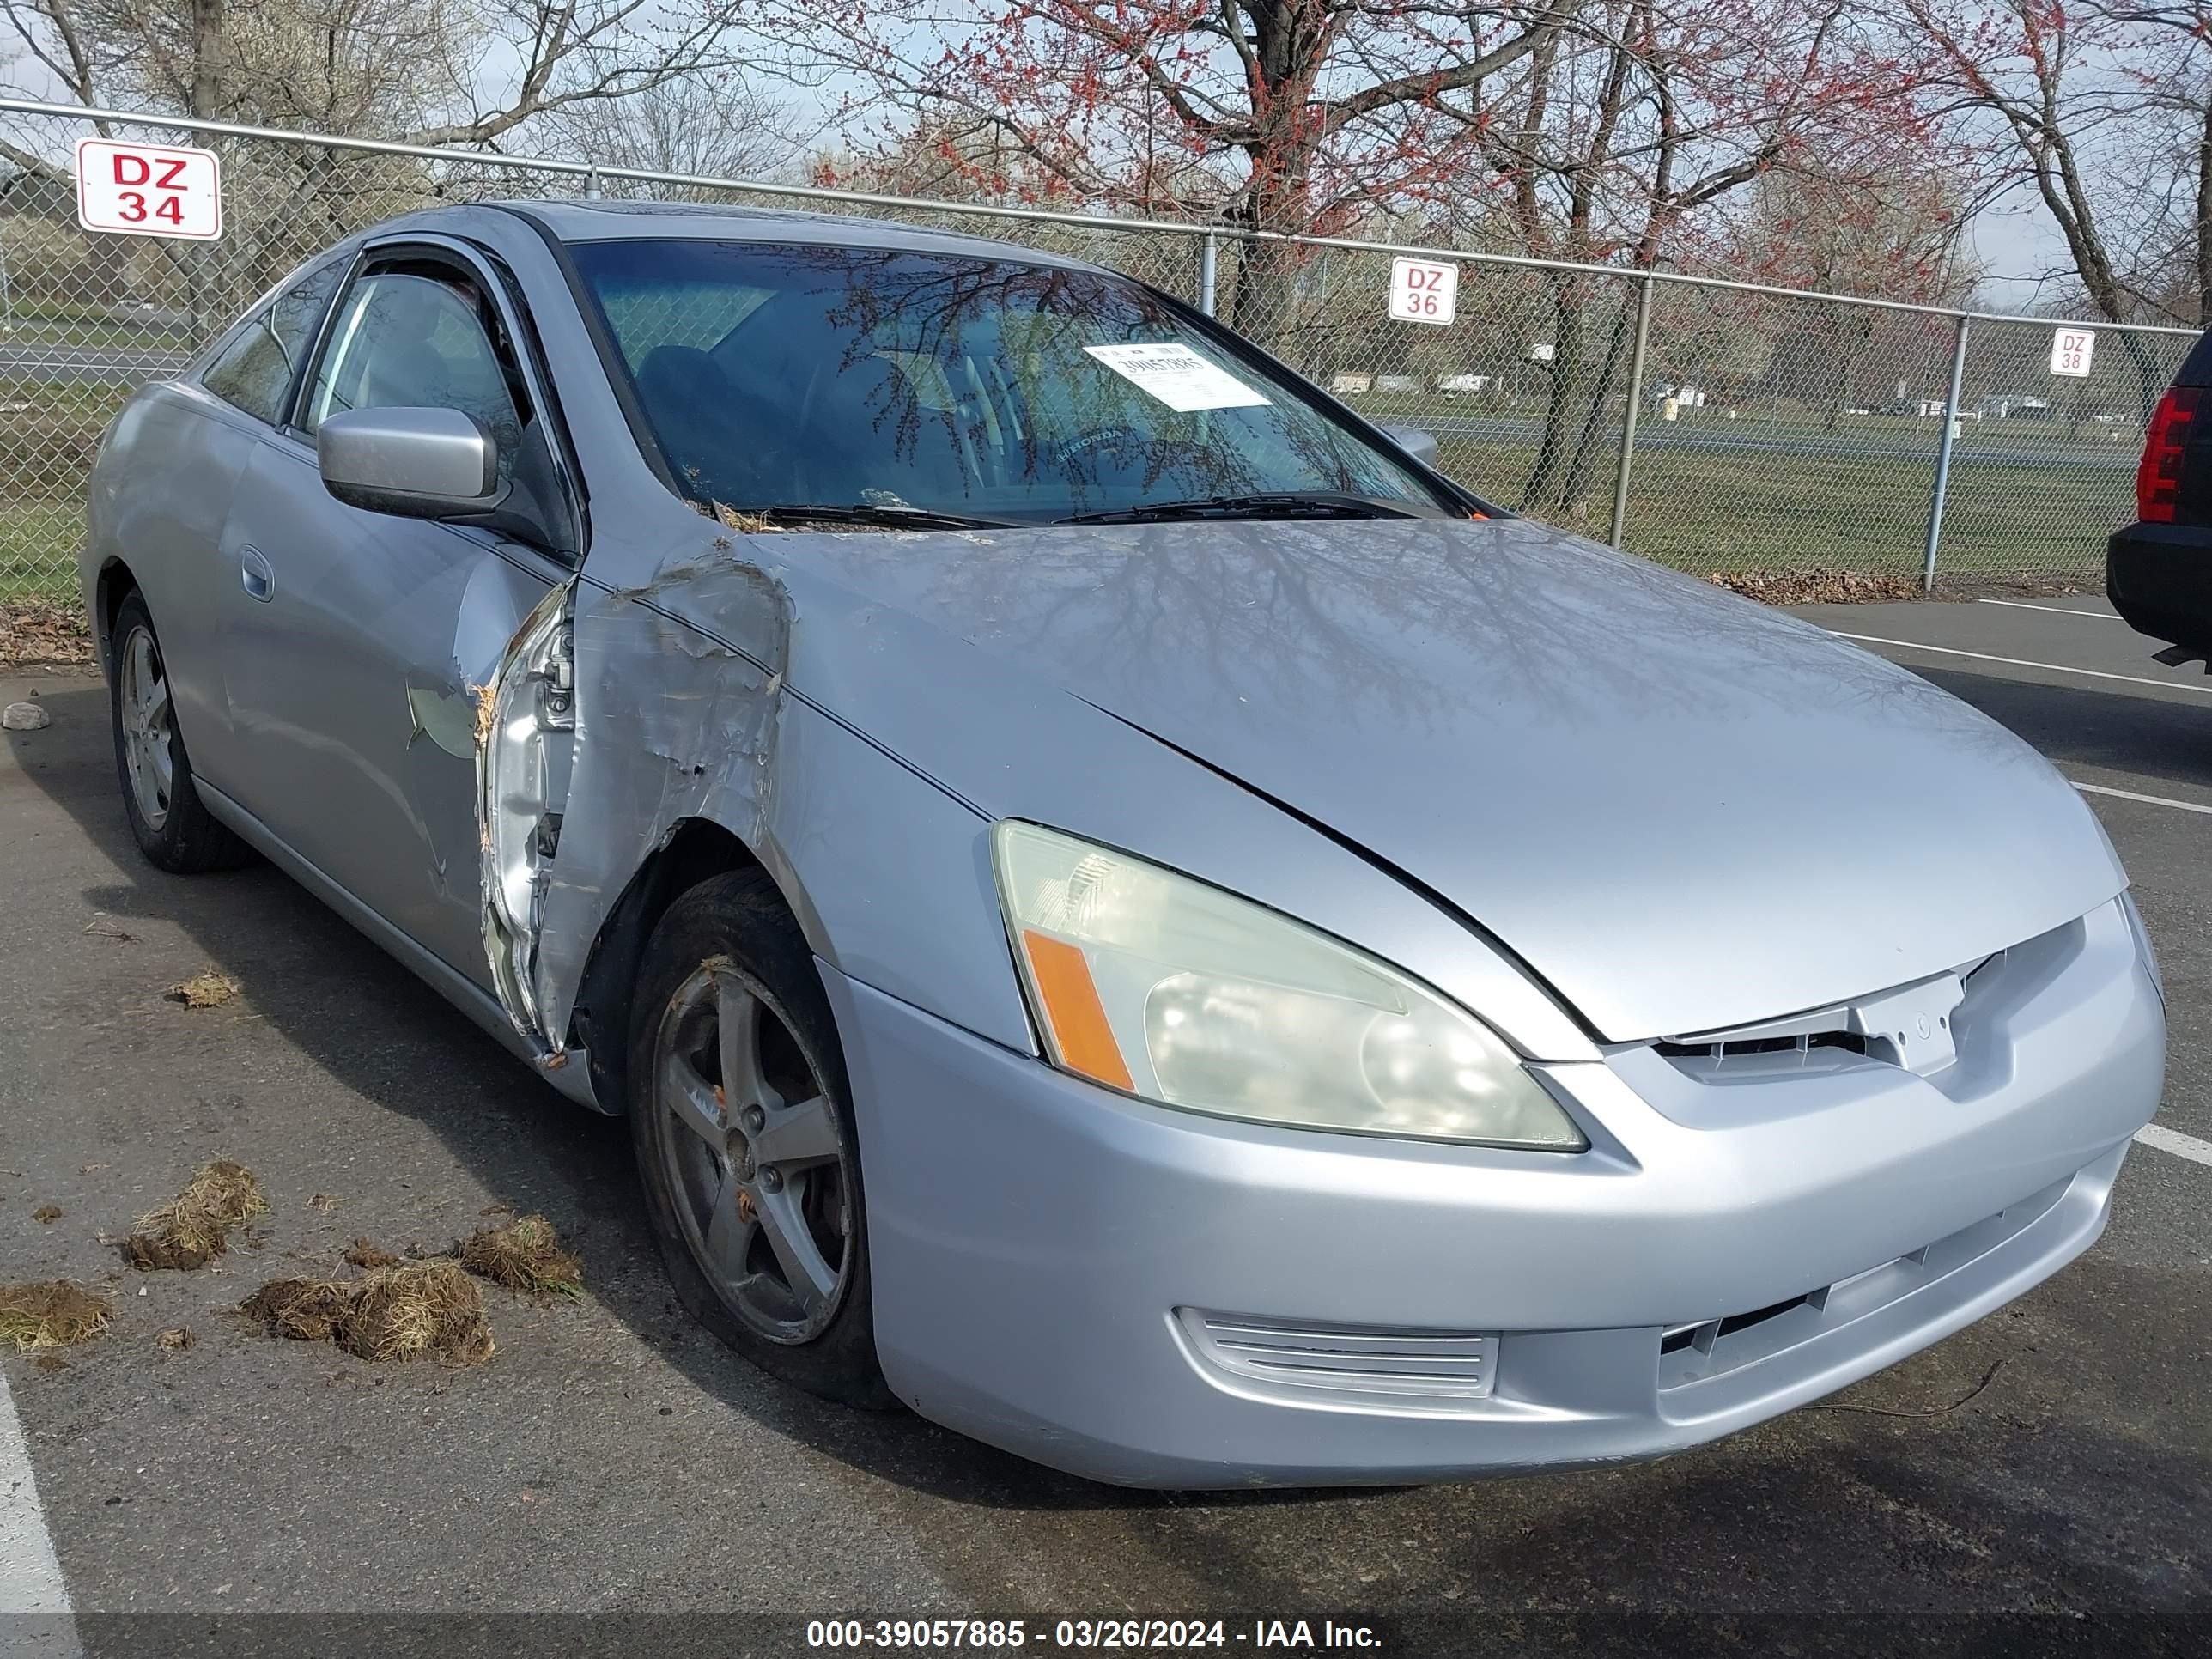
point(256, 574)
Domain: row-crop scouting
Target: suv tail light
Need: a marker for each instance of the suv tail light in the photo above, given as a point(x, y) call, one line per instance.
point(2157, 479)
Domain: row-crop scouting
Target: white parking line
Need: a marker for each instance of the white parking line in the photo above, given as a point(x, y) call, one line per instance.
point(2022, 662)
point(2173, 1140)
point(30, 1574)
point(2062, 609)
point(2149, 800)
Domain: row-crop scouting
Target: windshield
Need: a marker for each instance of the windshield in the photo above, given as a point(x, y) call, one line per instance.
point(890, 380)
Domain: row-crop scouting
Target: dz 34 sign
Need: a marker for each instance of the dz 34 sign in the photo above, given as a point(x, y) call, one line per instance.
point(148, 190)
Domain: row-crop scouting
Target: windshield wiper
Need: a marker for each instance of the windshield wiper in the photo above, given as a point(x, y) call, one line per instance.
point(909, 518)
point(1278, 504)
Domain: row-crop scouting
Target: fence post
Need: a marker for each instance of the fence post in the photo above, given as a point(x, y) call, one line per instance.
point(1205, 255)
point(1635, 403)
point(1943, 459)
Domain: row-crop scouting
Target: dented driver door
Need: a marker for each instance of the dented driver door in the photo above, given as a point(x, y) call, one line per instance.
point(368, 710)
point(354, 698)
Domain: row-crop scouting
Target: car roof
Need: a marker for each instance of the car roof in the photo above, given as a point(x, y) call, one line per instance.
point(580, 221)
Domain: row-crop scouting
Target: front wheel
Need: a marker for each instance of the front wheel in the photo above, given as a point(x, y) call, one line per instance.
point(172, 826)
point(744, 1140)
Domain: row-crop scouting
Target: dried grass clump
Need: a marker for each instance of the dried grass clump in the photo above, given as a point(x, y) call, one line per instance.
point(54, 1314)
point(304, 1310)
point(193, 1228)
point(43, 631)
point(1816, 587)
point(526, 1255)
point(752, 524)
point(366, 1255)
point(175, 1340)
point(393, 1313)
point(47, 1212)
point(205, 989)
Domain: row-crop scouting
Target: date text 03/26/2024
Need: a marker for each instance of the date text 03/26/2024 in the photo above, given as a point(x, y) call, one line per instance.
point(1278, 1635)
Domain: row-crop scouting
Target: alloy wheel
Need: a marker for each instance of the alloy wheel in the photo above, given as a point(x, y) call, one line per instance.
point(148, 727)
point(757, 1161)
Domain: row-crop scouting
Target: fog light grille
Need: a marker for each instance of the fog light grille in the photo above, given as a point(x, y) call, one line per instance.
point(1426, 1366)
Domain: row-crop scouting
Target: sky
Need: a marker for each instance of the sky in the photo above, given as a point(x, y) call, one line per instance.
point(2019, 245)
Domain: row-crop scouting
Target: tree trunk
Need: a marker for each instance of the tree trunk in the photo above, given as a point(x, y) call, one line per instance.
point(1581, 470)
point(2150, 378)
point(1265, 293)
point(207, 58)
point(1265, 300)
point(1547, 478)
point(2204, 220)
point(200, 271)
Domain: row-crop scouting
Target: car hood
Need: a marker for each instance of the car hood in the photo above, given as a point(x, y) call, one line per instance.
point(1682, 810)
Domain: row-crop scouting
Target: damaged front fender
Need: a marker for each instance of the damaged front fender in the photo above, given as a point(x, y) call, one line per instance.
point(609, 723)
point(526, 741)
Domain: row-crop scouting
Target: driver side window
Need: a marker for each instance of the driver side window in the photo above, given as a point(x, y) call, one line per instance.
point(416, 339)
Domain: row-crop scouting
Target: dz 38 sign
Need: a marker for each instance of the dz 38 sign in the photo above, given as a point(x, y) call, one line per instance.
point(148, 190)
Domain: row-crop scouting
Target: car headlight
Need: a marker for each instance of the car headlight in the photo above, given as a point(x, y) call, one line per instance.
point(1161, 986)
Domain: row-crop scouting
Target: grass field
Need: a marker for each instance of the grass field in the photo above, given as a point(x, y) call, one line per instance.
point(39, 542)
point(2028, 503)
point(2006, 520)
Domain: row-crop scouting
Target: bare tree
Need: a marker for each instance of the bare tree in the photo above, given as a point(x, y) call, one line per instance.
point(711, 123)
point(2054, 94)
point(407, 69)
point(457, 74)
point(2162, 98)
point(1270, 115)
point(2034, 67)
point(1625, 137)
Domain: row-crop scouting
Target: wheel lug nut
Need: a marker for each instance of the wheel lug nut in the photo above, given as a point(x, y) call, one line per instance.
point(753, 1118)
point(771, 1181)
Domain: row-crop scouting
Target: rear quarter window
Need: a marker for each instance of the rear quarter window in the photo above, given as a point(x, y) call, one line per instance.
point(254, 371)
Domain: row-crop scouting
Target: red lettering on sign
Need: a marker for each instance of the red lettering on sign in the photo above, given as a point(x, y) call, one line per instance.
point(140, 177)
point(172, 166)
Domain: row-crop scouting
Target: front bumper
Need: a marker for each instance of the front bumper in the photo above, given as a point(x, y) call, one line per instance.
point(1078, 1277)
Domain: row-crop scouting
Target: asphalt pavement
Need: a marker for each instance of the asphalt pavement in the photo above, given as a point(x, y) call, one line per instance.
point(2037, 1483)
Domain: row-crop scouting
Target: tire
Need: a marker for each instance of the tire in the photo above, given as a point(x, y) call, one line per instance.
point(749, 1198)
point(171, 823)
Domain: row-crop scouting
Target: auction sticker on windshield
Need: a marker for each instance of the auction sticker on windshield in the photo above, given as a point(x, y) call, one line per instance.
point(1177, 376)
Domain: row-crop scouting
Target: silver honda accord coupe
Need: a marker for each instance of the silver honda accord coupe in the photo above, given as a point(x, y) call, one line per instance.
point(1124, 910)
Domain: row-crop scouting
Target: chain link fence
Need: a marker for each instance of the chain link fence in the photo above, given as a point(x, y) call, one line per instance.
point(1790, 444)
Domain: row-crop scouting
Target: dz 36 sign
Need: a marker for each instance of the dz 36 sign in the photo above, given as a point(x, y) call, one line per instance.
point(1422, 291)
point(148, 190)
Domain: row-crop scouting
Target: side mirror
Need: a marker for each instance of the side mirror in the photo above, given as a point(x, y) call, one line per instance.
point(415, 463)
point(1421, 446)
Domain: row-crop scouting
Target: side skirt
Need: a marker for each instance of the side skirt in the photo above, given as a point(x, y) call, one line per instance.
point(572, 1081)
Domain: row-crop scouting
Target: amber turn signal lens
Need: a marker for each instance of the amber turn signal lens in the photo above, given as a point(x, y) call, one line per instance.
point(1079, 1031)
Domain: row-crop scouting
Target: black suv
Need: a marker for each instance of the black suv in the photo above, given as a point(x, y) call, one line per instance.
point(2158, 571)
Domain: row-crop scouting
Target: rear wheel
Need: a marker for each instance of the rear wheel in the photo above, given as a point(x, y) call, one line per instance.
point(172, 827)
point(744, 1140)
